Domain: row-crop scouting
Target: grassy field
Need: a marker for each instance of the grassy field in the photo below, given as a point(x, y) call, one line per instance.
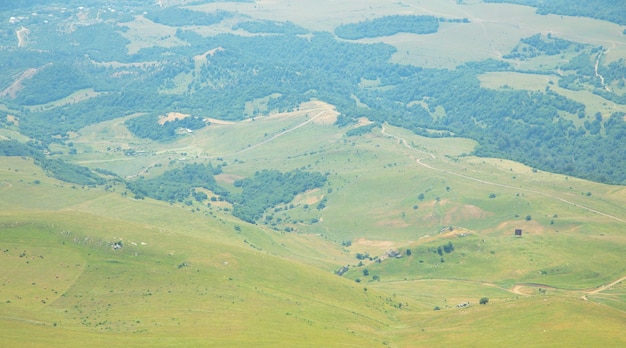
point(186, 275)
point(193, 275)
point(494, 29)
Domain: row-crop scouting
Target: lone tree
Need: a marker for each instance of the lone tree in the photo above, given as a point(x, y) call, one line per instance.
point(483, 300)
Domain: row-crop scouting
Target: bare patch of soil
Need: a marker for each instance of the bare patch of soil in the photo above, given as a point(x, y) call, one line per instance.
point(209, 53)
point(227, 178)
point(465, 212)
point(216, 121)
point(22, 36)
point(374, 243)
point(126, 65)
point(393, 223)
point(172, 116)
point(13, 119)
point(327, 118)
point(527, 227)
point(308, 197)
point(16, 86)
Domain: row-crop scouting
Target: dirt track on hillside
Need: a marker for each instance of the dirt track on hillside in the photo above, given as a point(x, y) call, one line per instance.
point(16, 86)
point(606, 287)
point(419, 161)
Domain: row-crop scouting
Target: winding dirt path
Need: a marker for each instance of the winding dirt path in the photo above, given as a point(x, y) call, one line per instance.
point(316, 116)
point(517, 289)
point(600, 76)
point(280, 134)
point(606, 287)
point(467, 177)
point(22, 36)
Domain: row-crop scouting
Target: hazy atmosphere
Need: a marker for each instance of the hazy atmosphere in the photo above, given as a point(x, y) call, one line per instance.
point(312, 173)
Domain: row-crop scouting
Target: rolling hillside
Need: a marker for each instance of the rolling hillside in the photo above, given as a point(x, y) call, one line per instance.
point(256, 173)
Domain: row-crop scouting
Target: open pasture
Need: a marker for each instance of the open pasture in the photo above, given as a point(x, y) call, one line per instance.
point(93, 264)
point(494, 29)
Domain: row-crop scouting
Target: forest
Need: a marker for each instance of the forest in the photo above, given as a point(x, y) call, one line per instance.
point(269, 188)
point(270, 27)
point(147, 126)
point(175, 16)
point(266, 189)
point(599, 9)
point(388, 25)
point(55, 168)
point(534, 128)
point(176, 185)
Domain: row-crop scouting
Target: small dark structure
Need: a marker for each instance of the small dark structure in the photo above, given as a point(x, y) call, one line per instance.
point(342, 270)
point(518, 232)
point(463, 305)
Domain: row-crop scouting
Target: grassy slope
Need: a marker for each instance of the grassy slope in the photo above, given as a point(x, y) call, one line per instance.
point(265, 287)
point(62, 277)
point(255, 286)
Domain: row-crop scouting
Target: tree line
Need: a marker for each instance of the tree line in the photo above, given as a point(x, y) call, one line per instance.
point(608, 10)
point(525, 126)
point(56, 168)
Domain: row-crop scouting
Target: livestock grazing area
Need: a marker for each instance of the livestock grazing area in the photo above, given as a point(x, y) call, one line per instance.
point(193, 273)
point(182, 192)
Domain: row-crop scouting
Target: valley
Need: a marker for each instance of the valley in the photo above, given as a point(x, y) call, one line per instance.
point(240, 174)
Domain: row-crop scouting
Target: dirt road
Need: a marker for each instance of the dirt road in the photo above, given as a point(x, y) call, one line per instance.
point(467, 177)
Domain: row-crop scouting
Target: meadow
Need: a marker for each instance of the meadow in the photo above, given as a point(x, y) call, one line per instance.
point(93, 264)
point(187, 275)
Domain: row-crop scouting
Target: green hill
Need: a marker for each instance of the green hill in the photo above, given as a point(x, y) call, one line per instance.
point(250, 179)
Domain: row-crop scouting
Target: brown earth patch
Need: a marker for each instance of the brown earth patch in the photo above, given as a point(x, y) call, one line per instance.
point(364, 121)
point(227, 178)
point(393, 223)
point(13, 119)
point(373, 243)
point(209, 53)
point(465, 212)
point(216, 121)
point(431, 218)
point(172, 116)
point(329, 117)
point(22, 36)
point(16, 86)
point(308, 197)
point(527, 227)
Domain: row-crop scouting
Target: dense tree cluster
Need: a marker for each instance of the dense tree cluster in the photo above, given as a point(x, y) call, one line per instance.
point(53, 125)
point(530, 127)
point(147, 126)
point(538, 44)
point(59, 80)
point(178, 184)
point(270, 27)
point(388, 25)
point(176, 16)
point(269, 188)
point(14, 4)
point(608, 10)
point(55, 168)
point(361, 130)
